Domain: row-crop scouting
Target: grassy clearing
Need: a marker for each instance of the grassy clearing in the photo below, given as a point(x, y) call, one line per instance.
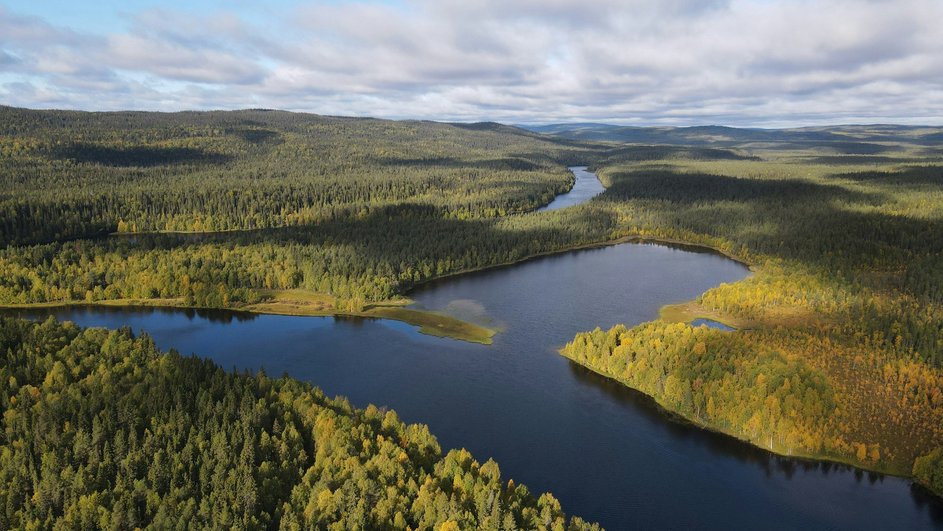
point(293, 302)
point(686, 312)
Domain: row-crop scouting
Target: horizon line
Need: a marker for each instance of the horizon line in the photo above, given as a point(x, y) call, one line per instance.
point(616, 122)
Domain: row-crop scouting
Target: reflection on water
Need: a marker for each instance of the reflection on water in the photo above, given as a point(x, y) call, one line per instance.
point(143, 312)
point(712, 324)
point(717, 443)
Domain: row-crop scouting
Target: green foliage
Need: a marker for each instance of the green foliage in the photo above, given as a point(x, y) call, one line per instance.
point(71, 175)
point(928, 470)
point(102, 431)
point(713, 378)
point(368, 260)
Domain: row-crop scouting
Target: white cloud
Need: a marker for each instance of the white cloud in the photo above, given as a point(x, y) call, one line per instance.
point(748, 62)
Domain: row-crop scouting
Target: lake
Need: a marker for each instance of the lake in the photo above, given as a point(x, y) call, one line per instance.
point(608, 453)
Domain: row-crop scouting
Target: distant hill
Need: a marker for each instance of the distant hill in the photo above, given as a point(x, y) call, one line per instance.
point(851, 139)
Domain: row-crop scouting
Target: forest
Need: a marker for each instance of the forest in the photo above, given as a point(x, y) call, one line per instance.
point(103, 431)
point(839, 348)
point(69, 175)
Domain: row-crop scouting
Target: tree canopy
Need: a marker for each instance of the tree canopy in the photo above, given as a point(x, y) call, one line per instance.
point(103, 431)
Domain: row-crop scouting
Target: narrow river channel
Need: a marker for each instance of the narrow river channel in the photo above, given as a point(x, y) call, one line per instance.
point(586, 187)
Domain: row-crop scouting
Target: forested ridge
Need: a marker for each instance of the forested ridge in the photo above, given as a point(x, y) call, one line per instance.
point(73, 174)
point(840, 346)
point(103, 431)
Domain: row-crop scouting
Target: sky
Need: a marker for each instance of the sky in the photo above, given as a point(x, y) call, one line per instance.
point(763, 63)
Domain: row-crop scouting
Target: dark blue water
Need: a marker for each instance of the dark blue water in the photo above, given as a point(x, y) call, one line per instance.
point(606, 452)
point(586, 187)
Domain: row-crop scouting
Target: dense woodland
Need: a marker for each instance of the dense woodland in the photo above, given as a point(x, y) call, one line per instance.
point(364, 260)
point(68, 175)
point(103, 431)
point(840, 352)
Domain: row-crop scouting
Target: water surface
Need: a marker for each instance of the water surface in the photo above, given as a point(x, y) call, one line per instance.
point(710, 323)
point(605, 451)
point(586, 187)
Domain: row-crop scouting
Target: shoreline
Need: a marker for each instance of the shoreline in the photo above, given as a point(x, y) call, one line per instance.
point(636, 239)
point(429, 322)
point(698, 423)
point(426, 322)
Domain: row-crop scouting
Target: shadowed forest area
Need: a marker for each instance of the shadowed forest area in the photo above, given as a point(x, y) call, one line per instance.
point(70, 175)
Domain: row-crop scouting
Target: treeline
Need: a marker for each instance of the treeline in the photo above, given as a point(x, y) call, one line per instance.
point(102, 431)
point(69, 175)
point(715, 379)
point(371, 259)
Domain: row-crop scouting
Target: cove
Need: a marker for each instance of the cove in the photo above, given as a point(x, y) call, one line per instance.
point(608, 453)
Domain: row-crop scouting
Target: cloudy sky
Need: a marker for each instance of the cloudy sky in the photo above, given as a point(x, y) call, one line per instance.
point(677, 62)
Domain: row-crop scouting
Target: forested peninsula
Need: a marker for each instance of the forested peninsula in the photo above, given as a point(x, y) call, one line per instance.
point(103, 431)
point(839, 345)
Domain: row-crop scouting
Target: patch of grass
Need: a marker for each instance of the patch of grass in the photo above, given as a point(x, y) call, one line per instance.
point(303, 302)
point(769, 317)
point(435, 324)
point(294, 302)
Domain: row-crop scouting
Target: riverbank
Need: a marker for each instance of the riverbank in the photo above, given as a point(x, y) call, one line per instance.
point(689, 311)
point(586, 246)
point(772, 448)
point(300, 303)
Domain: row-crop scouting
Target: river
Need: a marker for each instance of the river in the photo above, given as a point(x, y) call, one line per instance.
point(586, 187)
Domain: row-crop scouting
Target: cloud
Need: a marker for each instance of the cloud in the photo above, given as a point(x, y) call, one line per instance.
point(7, 59)
point(738, 62)
point(174, 61)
